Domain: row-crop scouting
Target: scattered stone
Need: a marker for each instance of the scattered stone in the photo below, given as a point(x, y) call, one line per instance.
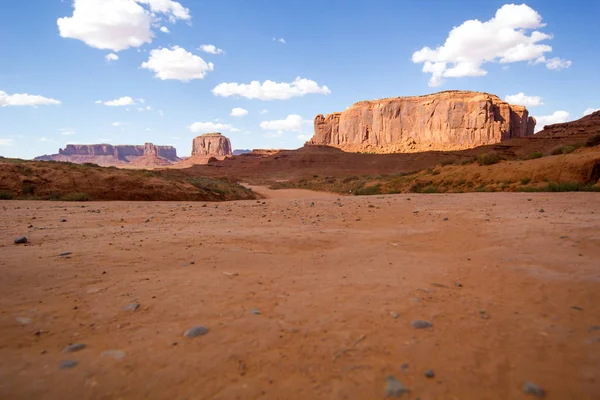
point(74, 347)
point(421, 324)
point(66, 253)
point(395, 388)
point(529, 199)
point(63, 220)
point(256, 311)
point(357, 219)
point(117, 354)
point(68, 364)
point(231, 274)
point(445, 218)
point(21, 240)
point(564, 237)
point(533, 389)
point(429, 373)
point(131, 307)
point(196, 331)
point(23, 320)
point(577, 308)
point(147, 220)
point(404, 367)
point(541, 210)
point(458, 284)
point(394, 314)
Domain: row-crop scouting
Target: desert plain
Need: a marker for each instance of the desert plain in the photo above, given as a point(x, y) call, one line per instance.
point(305, 295)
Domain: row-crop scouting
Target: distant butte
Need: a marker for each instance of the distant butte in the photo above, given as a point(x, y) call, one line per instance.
point(450, 120)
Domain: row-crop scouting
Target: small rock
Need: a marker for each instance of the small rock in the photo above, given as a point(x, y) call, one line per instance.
point(23, 320)
point(256, 311)
point(74, 347)
point(21, 240)
point(395, 388)
point(541, 210)
point(394, 314)
point(564, 237)
point(131, 307)
point(63, 220)
point(404, 367)
point(446, 219)
point(458, 284)
point(196, 331)
point(577, 308)
point(429, 373)
point(66, 253)
point(148, 220)
point(67, 364)
point(529, 199)
point(117, 354)
point(533, 389)
point(421, 324)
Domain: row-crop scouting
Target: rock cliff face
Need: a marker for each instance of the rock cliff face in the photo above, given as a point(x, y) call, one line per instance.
point(211, 145)
point(450, 120)
point(109, 155)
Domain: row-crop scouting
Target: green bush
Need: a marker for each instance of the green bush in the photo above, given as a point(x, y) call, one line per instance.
point(368, 190)
point(28, 189)
point(593, 140)
point(75, 196)
point(569, 149)
point(430, 189)
point(525, 181)
point(89, 164)
point(6, 195)
point(447, 161)
point(468, 161)
point(534, 155)
point(488, 158)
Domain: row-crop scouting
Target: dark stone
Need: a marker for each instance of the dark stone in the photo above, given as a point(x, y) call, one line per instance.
point(395, 388)
point(533, 389)
point(256, 311)
point(68, 364)
point(131, 307)
point(421, 324)
point(21, 240)
point(196, 331)
point(429, 373)
point(74, 347)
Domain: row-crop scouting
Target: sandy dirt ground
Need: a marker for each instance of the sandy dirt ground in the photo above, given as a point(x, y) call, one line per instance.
point(305, 297)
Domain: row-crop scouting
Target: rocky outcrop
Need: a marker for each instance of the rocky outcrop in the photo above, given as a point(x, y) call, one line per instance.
point(109, 155)
point(451, 120)
point(211, 145)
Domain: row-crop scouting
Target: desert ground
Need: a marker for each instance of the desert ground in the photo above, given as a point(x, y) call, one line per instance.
point(305, 296)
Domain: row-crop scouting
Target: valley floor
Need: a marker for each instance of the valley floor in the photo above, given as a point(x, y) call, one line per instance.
point(306, 296)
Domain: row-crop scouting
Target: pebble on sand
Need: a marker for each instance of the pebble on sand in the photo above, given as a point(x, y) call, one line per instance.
point(117, 354)
point(67, 364)
point(74, 347)
point(131, 307)
point(421, 324)
point(429, 373)
point(196, 331)
point(21, 240)
point(395, 388)
point(256, 311)
point(533, 389)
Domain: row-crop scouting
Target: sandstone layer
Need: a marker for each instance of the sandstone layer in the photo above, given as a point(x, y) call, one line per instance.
point(207, 148)
point(451, 120)
point(110, 155)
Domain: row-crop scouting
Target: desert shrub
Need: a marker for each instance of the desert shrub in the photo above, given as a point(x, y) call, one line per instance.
point(466, 161)
point(28, 189)
point(569, 149)
point(447, 161)
point(6, 195)
point(418, 186)
point(460, 182)
point(525, 181)
point(25, 170)
point(481, 188)
point(431, 189)
point(593, 140)
point(534, 155)
point(148, 174)
point(89, 164)
point(556, 150)
point(368, 190)
point(562, 187)
point(488, 158)
point(75, 196)
point(350, 179)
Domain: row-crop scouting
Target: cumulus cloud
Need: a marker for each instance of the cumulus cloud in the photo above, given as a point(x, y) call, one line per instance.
point(590, 110)
point(177, 63)
point(111, 57)
point(522, 100)
point(238, 112)
point(46, 140)
point(164, 29)
point(293, 123)
point(557, 63)
point(210, 48)
point(280, 40)
point(270, 90)
point(503, 39)
point(556, 118)
point(207, 127)
point(24, 99)
point(123, 101)
point(118, 24)
point(67, 131)
point(6, 142)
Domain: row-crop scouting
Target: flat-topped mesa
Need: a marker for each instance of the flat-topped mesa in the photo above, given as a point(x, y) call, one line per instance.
point(121, 152)
point(450, 120)
point(211, 145)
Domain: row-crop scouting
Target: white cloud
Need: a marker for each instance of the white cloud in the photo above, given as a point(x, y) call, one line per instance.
point(67, 132)
point(116, 124)
point(263, 111)
point(270, 90)
point(206, 127)
point(161, 113)
point(522, 100)
point(104, 140)
point(123, 101)
point(280, 40)
point(557, 64)
point(24, 99)
point(118, 24)
point(164, 29)
point(98, 102)
point(304, 137)
point(177, 63)
point(6, 142)
point(142, 101)
point(556, 118)
point(238, 112)
point(46, 140)
point(590, 110)
point(293, 123)
point(502, 39)
point(111, 57)
point(148, 129)
point(210, 48)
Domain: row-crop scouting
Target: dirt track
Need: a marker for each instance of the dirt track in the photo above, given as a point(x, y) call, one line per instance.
point(325, 279)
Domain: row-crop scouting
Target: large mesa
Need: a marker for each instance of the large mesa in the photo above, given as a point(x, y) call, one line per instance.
point(450, 120)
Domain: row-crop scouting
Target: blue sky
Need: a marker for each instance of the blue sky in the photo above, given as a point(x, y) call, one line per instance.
point(172, 90)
